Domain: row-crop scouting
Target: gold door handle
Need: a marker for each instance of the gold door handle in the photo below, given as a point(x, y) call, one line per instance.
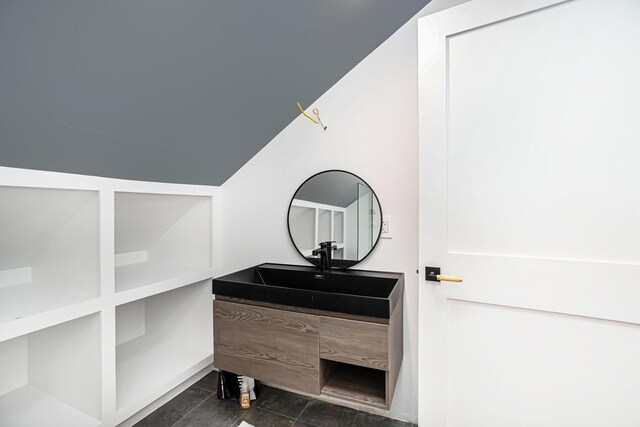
point(432, 274)
point(443, 278)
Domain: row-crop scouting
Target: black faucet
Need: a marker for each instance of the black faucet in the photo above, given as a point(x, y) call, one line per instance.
point(325, 250)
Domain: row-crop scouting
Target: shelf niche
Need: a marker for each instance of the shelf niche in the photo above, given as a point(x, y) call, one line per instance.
point(53, 376)
point(160, 237)
point(49, 250)
point(353, 383)
point(338, 226)
point(158, 339)
point(311, 223)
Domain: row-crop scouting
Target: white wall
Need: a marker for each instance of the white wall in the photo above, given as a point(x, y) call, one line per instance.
point(372, 122)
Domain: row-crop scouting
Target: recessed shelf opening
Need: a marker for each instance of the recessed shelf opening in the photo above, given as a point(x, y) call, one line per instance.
point(160, 337)
point(53, 376)
point(353, 383)
point(49, 250)
point(311, 223)
point(324, 225)
point(338, 226)
point(160, 237)
point(303, 227)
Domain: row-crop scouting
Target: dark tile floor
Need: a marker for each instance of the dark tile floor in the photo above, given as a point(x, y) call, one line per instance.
point(199, 406)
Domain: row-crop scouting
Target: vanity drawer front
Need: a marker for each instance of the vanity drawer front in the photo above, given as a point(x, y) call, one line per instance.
point(354, 342)
point(276, 346)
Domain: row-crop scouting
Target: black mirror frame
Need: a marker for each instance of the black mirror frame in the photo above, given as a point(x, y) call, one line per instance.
point(337, 264)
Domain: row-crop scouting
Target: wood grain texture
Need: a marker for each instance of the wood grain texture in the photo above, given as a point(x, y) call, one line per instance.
point(271, 345)
point(342, 358)
point(304, 310)
point(326, 369)
point(354, 342)
point(396, 349)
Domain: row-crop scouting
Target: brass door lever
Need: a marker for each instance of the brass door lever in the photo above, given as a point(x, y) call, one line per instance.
point(432, 274)
point(443, 278)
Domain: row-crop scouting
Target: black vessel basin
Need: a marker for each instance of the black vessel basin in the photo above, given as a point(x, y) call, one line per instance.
point(358, 292)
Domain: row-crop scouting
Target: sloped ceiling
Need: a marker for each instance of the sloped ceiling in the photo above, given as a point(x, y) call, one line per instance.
point(343, 189)
point(171, 90)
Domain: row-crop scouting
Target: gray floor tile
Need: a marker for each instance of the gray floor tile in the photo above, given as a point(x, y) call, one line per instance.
point(209, 382)
point(282, 402)
point(165, 416)
point(369, 420)
point(198, 406)
point(262, 418)
point(169, 413)
point(323, 414)
point(213, 412)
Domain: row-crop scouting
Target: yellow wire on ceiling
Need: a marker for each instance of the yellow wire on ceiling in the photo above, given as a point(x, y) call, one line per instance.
point(306, 115)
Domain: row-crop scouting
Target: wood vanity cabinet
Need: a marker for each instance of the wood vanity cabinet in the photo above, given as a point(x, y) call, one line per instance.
point(276, 346)
point(354, 358)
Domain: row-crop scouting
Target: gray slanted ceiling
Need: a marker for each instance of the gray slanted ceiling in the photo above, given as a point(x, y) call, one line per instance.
point(331, 188)
point(171, 90)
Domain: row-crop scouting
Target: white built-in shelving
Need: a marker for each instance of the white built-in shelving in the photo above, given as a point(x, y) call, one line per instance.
point(311, 223)
point(49, 250)
point(161, 242)
point(159, 338)
point(105, 295)
point(52, 376)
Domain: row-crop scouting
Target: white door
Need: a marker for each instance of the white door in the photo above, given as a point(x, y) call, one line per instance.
point(530, 190)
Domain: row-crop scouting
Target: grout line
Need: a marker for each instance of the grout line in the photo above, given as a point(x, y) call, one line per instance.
point(305, 407)
point(309, 400)
point(202, 388)
point(274, 412)
point(193, 409)
point(353, 423)
point(239, 419)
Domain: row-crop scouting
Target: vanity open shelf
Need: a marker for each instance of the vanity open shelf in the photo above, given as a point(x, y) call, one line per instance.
point(354, 383)
point(289, 326)
point(162, 241)
point(49, 250)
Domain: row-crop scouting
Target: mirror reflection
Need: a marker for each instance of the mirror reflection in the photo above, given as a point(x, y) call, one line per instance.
point(339, 207)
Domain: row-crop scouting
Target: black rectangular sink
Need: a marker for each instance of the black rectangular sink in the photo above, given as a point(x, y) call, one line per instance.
point(358, 292)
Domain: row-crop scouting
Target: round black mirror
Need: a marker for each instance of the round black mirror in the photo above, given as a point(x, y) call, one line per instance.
point(339, 207)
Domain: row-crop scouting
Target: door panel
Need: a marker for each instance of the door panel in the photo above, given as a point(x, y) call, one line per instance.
point(537, 126)
point(528, 172)
point(516, 367)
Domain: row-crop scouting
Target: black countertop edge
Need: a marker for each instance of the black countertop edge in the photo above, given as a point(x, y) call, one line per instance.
point(345, 272)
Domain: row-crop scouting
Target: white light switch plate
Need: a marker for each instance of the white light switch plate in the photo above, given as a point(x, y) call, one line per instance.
point(386, 227)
